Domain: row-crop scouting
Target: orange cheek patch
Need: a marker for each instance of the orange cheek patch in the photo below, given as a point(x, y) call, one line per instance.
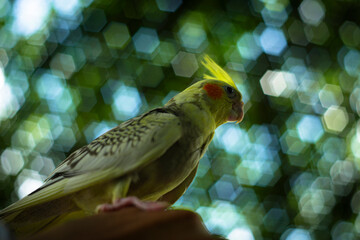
point(213, 90)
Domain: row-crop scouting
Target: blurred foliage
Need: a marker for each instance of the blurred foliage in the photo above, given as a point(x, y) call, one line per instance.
point(71, 70)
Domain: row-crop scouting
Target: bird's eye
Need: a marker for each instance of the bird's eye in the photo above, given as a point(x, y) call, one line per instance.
point(230, 92)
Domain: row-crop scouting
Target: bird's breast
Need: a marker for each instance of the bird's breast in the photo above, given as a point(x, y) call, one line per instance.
point(170, 170)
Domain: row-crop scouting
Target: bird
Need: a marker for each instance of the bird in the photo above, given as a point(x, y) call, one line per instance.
point(148, 161)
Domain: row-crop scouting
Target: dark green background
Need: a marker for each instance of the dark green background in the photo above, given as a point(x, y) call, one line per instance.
point(288, 171)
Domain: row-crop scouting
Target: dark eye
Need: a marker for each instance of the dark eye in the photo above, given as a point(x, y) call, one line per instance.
point(230, 92)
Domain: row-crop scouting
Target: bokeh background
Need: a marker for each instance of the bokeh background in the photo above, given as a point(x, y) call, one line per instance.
point(72, 69)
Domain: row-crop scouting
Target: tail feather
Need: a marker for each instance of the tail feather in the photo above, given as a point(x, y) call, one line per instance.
point(28, 221)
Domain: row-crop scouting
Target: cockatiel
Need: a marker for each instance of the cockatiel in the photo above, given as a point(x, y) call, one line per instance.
point(153, 157)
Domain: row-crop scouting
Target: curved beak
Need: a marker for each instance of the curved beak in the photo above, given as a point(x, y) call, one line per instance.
point(237, 112)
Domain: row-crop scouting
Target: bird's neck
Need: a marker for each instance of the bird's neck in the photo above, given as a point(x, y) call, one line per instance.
point(195, 113)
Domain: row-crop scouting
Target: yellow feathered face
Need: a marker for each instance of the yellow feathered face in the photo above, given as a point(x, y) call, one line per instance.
point(222, 92)
point(226, 101)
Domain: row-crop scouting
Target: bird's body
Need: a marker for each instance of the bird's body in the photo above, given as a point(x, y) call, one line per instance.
point(153, 157)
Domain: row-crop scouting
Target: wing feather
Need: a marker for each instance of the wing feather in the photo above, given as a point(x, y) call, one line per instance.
point(123, 149)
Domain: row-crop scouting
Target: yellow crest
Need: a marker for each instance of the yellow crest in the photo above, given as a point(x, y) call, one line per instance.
point(217, 73)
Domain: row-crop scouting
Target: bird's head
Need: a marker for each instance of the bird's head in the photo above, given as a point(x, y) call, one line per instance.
point(218, 93)
point(224, 100)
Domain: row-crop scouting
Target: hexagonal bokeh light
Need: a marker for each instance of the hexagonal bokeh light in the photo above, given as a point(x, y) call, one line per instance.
point(248, 47)
point(336, 119)
point(72, 70)
point(192, 36)
point(275, 83)
point(168, 5)
point(312, 11)
point(184, 64)
point(95, 20)
point(331, 95)
point(116, 35)
point(131, 97)
point(273, 41)
point(310, 128)
point(349, 32)
point(146, 40)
